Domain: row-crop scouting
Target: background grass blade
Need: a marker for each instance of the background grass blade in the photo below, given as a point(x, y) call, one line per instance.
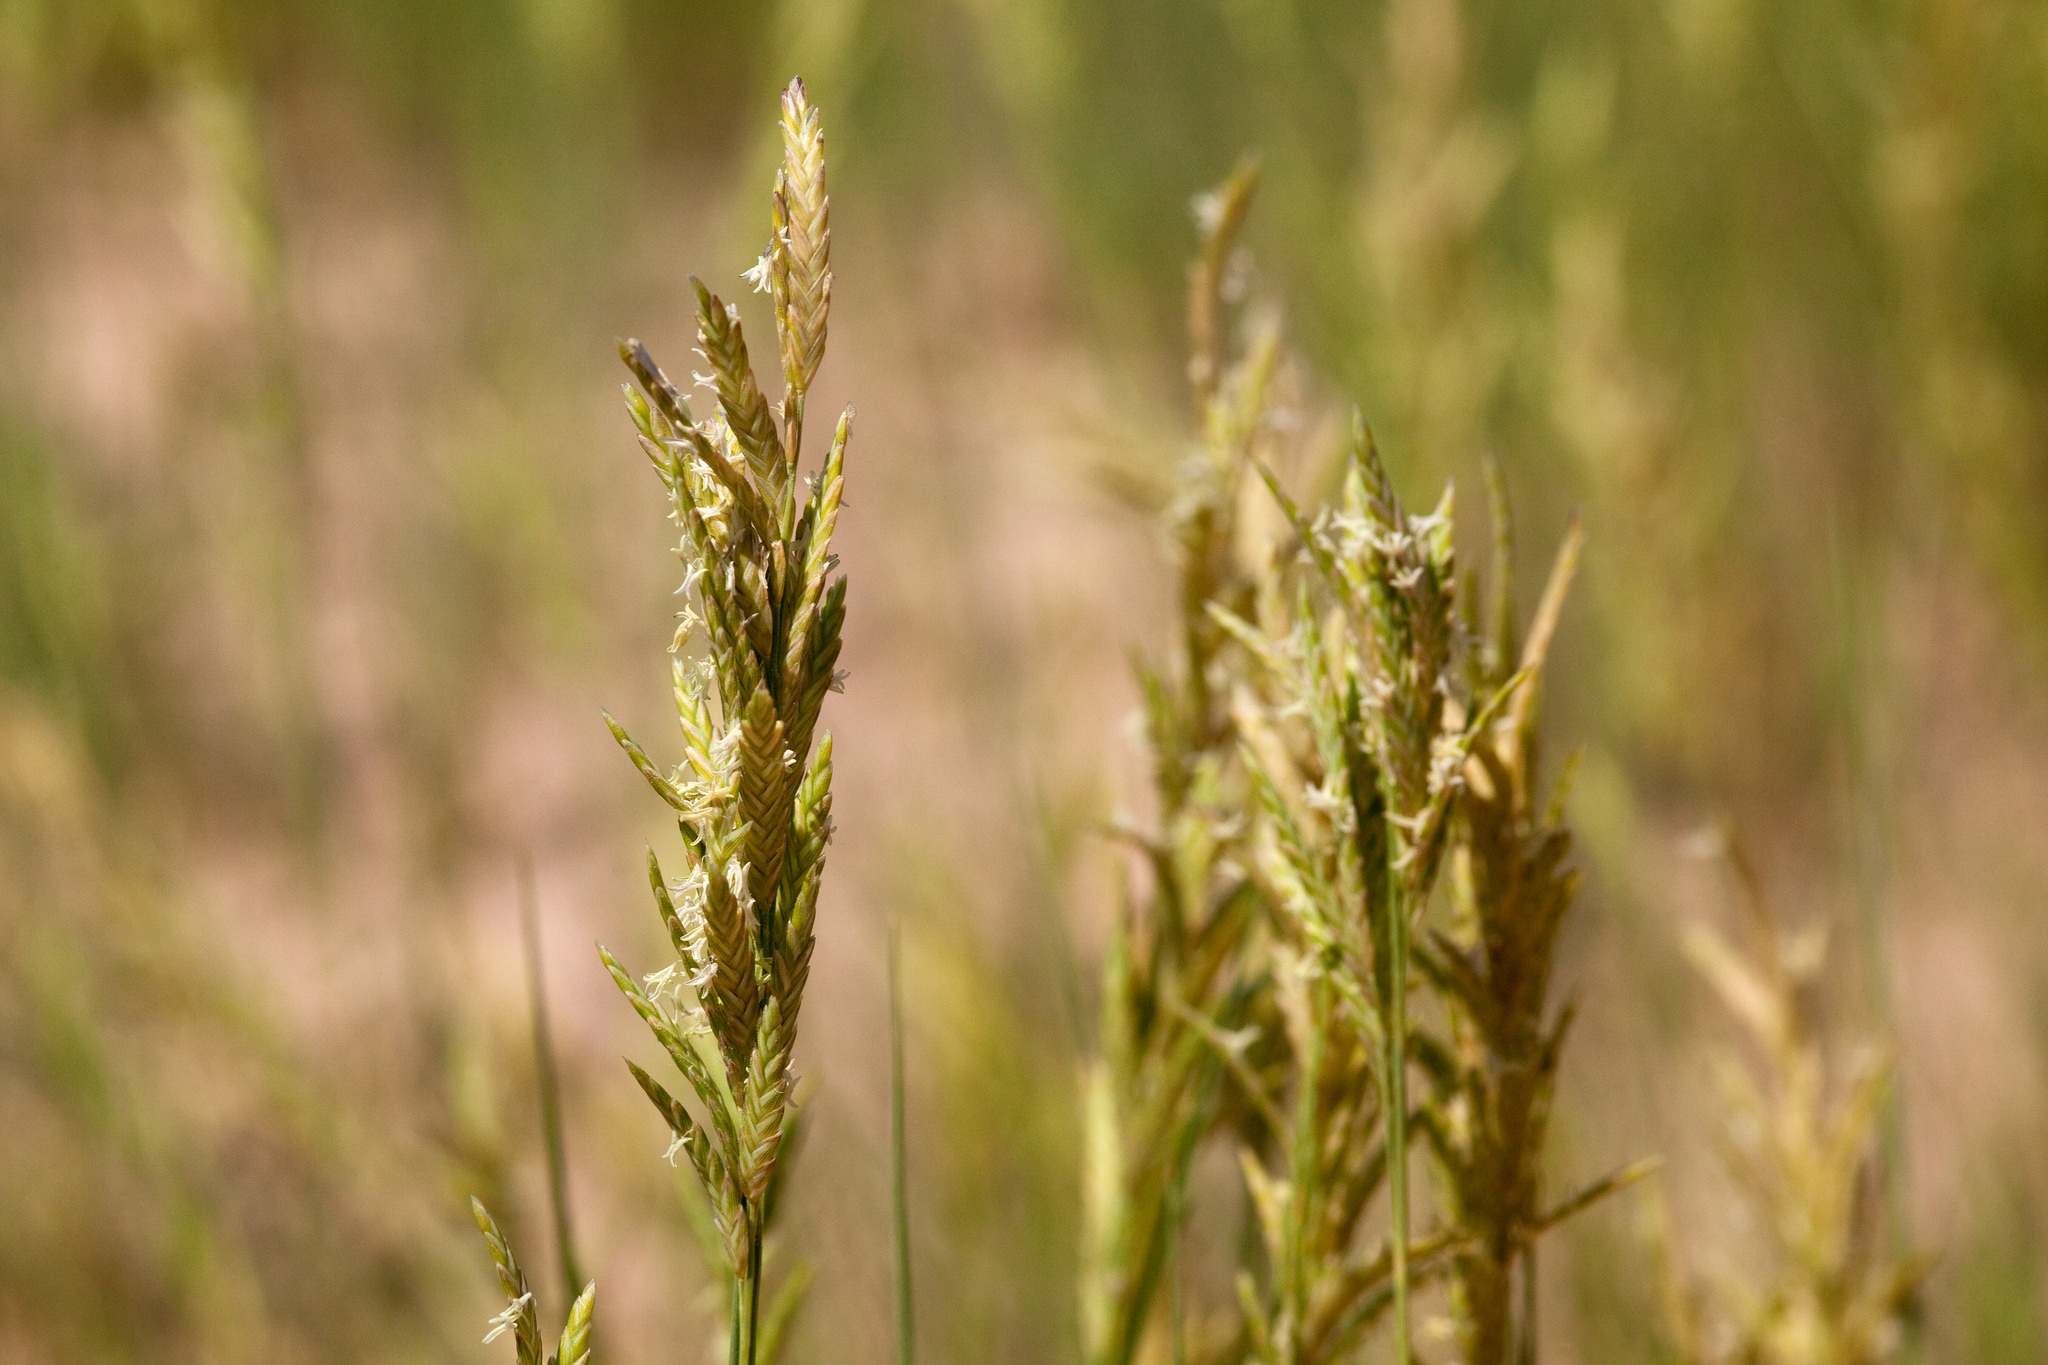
point(899, 1177)
point(548, 1083)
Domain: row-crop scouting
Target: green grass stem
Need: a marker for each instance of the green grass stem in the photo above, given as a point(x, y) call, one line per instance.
point(899, 1180)
point(548, 1082)
point(1397, 1116)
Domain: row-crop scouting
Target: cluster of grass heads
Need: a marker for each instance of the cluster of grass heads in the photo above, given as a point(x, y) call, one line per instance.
point(1340, 730)
point(1335, 729)
point(1357, 879)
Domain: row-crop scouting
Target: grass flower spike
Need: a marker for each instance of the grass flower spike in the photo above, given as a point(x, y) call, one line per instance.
point(1493, 1073)
point(753, 794)
point(1356, 766)
point(1800, 1140)
point(1183, 975)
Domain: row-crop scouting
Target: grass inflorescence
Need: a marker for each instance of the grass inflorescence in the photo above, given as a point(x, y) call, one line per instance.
point(1182, 974)
point(753, 794)
point(1800, 1138)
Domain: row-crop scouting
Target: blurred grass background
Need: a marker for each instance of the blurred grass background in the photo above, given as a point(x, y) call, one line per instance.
point(322, 540)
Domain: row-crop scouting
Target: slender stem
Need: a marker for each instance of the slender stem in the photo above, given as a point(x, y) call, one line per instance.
point(1527, 1353)
point(1304, 1160)
point(1176, 1207)
point(548, 1081)
point(1857, 602)
point(739, 1317)
point(754, 1286)
point(899, 1180)
point(1397, 1112)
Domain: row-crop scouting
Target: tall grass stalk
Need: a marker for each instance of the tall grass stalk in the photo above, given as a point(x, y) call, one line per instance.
point(1493, 1070)
point(1395, 1111)
point(753, 799)
point(1356, 806)
point(1183, 969)
point(753, 795)
point(1392, 737)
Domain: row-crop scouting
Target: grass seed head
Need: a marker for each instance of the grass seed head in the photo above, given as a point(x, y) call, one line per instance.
point(753, 793)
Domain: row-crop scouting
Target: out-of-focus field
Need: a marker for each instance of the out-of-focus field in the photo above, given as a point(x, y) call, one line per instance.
point(323, 539)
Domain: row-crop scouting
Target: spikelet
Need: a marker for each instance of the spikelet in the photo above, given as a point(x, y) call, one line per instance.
point(802, 245)
point(723, 343)
point(520, 1317)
